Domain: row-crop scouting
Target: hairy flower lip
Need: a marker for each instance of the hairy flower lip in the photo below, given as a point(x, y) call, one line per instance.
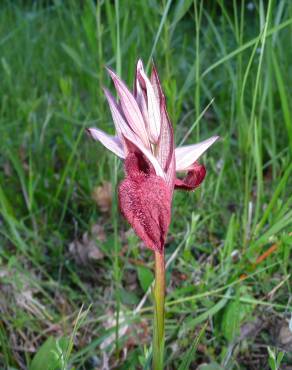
point(144, 131)
point(194, 178)
point(145, 201)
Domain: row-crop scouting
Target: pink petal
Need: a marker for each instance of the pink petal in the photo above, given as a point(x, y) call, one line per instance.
point(123, 129)
point(112, 143)
point(185, 156)
point(115, 111)
point(152, 104)
point(127, 133)
point(193, 179)
point(145, 202)
point(137, 84)
point(154, 78)
point(130, 108)
point(141, 96)
point(165, 147)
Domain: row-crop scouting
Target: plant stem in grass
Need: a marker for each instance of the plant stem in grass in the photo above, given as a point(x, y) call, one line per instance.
point(159, 295)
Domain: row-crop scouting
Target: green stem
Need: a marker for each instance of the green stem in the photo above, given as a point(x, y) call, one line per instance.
point(159, 295)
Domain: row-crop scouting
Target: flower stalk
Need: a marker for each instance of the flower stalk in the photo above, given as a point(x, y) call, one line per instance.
point(159, 314)
point(144, 140)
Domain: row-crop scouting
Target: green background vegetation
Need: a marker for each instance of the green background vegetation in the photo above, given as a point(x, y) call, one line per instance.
point(52, 59)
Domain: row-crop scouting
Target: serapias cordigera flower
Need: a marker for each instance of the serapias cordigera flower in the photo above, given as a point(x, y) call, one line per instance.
point(145, 141)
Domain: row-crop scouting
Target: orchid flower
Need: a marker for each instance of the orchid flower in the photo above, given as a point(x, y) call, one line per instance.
point(144, 140)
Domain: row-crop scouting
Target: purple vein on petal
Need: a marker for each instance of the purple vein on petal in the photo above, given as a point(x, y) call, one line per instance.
point(141, 95)
point(165, 147)
point(153, 104)
point(130, 108)
point(119, 121)
point(156, 84)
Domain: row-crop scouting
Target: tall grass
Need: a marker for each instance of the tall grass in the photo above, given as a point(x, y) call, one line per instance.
point(225, 68)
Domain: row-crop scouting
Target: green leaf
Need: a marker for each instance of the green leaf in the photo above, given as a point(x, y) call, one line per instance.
point(272, 364)
point(193, 322)
point(234, 313)
point(284, 97)
point(182, 7)
point(231, 322)
point(128, 297)
point(50, 355)
point(188, 356)
point(280, 358)
point(145, 277)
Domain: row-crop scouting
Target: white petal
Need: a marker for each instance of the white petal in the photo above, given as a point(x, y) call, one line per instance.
point(137, 85)
point(140, 98)
point(130, 108)
point(185, 156)
point(154, 119)
point(120, 123)
point(122, 127)
point(113, 143)
point(114, 108)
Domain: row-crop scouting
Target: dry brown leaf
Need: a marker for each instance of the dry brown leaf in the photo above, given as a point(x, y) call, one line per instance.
point(284, 339)
point(23, 158)
point(87, 250)
point(137, 333)
point(97, 231)
point(7, 169)
point(102, 195)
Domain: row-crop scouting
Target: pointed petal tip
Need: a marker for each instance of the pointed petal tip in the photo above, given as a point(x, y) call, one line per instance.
point(110, 98)
point(187, 155)
point(94, 133)
point(112, 143)
point(130, 108)
point(106, 92)
point(211, 139)
point(112, 73)
point(154, 69)
point(88, 131)
point(140, 63)
point(153, 106)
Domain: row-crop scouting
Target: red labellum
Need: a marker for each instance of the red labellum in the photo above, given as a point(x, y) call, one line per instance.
point(145, 201)
point(193, 179)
